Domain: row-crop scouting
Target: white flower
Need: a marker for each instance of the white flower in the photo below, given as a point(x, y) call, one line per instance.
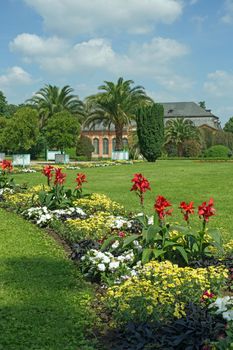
point(99, 255)
point(114, 265)
point(151, 220)
point(228, 315)
point(83, 258)
point(106, 259)
point(101, 267)
point(115, 245)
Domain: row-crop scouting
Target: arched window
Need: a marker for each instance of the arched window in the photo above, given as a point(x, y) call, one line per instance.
point(113, 144)
point(96, 145)
point(125, 143)
point(105, 146)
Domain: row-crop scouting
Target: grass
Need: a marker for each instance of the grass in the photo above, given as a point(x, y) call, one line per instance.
point(176, 180)
point(43, 299)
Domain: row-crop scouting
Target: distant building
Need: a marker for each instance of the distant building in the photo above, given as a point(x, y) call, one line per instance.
point(192, 111)
point(104, 139)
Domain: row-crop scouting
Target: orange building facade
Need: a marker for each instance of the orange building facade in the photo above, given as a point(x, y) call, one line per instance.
point(104, 142)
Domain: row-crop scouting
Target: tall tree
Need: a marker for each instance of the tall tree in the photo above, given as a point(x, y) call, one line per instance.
point(150, 130)
point(51, 99)
point(62, 130)
point(3, 104)
point(179, 130)
point(229, 125)
point(22, 130)
point(116, 105)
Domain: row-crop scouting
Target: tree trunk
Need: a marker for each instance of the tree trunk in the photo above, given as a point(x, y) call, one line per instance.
point(180, 149)
point(119, 137)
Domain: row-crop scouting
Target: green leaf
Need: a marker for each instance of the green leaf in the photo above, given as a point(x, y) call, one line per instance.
point(169, 244)
point(158, 252)
point(152, 233)
point(182, 252)
point(146, 255)
point(108, 241)
point(216, 235)
point(130, 239)
point(143, 220)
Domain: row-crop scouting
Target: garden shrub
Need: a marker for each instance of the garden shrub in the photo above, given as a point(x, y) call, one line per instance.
point(161, 291)
point(193, 331)
point(217, 151)
point(191, 148)
point(84, 147)
point(95, 227)
point(99, 202)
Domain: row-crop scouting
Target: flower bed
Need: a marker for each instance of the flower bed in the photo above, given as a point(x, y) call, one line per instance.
point(154, 274)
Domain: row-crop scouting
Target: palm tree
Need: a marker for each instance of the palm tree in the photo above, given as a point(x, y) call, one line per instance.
point(115, 105)
point(179, 130)
point(51, 99)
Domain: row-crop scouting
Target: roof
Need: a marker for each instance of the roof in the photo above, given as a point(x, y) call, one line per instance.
point(171, 110)
point(185, 109)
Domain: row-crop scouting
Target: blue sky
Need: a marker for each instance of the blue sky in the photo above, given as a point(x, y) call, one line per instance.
point(179, 50)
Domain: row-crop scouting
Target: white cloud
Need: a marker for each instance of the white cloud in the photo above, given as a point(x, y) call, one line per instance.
point(151, 58)
point(228, 16)
point(15, 76)
point(219, 84)
point(31, 45)
point(57, 56)
point(154, 59)
point(75, 17)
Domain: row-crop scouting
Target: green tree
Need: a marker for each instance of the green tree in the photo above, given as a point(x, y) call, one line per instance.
point(3, 104)
point(84, 147)
point(51, 100)
point(229, 125)
point(22, 130)
point(62, 130)
point(179, 130)
point(3, 124)
point(116, 105)
point(202, 104)
point(150, 130)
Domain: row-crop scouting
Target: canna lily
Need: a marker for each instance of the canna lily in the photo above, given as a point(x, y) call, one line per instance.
point(160, 207)
point(140, 186)
point(186, 209)
point(80, 179)
point(206, 210)
point(6, 165)
point(59, 176)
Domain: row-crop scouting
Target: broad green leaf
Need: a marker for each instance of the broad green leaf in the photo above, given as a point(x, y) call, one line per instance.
point(130, 239)
point(158, 252)
point(182, 252)
point(146, 255)
point(216, 235)
point(152, 233)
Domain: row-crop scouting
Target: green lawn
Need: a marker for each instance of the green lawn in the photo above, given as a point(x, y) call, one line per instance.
point(43, 299)
point(176, 180)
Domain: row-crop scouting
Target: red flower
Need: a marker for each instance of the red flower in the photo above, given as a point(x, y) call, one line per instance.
point(59, 176)
point(140, 186)
point(48, 171)
point(186, 209)
point(160, 206)
point(207, 295)
point(80, 179)
point(121, 234)
point(6, 165)
point(206, 210)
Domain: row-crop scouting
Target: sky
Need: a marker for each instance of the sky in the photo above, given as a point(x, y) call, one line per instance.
point(178, 50)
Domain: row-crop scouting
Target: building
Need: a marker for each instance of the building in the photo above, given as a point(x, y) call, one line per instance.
point(104, 140)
